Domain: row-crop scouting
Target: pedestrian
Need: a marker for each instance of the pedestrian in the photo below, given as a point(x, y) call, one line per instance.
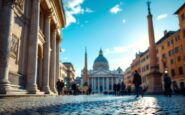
point(114, 88)
point(122, 88)
point(137, 83)
point(129, 89)
point(167, 85)
point(117, 89)
point(58, 87)
point(62, 87)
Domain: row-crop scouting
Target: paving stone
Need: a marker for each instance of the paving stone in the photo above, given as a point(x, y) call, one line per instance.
point(93, 104)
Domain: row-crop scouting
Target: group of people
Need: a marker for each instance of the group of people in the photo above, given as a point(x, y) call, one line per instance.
point(119, 88)
point(167, 85)
point(60, 87)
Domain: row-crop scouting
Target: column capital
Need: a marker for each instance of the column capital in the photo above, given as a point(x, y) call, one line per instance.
point(50, 12)
point(55, 27)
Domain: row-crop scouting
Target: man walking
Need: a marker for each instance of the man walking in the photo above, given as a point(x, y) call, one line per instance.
point(167, 85)
point(137, 82)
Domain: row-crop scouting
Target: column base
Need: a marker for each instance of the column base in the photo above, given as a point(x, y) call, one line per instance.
point(54, 90)
point(33, 90)
point(46, 90)
point(5, 88)
point(154, 80)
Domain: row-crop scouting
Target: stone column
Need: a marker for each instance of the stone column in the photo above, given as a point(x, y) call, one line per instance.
point(6, 16)
point(107, 83)
point(92, 83)
point(103, 84)
point(58, 60)
point(98, 85)
point(112, 83)
point(46, 57)
point(40, 72)
point(33, 48)
point(53, 61)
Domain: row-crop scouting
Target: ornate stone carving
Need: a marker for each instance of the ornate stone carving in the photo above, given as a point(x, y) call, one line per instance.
point(19, 4)
point(50, 12)
point(14, 46)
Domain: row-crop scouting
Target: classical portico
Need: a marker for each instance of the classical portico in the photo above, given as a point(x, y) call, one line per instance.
point(101, 79)
point(29, 45)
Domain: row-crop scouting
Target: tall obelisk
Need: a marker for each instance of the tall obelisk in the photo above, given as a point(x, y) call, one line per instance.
point(154, 77)
point(85, 69)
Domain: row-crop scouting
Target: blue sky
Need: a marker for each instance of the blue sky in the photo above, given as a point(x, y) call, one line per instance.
point(119, 27)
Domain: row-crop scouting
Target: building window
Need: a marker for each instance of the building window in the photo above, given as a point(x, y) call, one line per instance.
point(183, 16)
point(162, 47)
point(147, 67)
point(168, 43)
point(177, 49)
point(163, 56)
point(180, 70)
point(171, 52)
point(177, 38)
point(171, 61)
point(179, 58)
point(172, 72)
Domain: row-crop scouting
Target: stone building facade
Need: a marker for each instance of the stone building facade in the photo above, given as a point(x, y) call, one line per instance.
point(30, 39)
point(70, 72)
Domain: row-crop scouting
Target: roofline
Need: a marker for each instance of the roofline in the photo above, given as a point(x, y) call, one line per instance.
point(179, 9)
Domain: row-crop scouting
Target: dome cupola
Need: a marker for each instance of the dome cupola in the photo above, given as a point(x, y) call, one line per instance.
point(100, 62)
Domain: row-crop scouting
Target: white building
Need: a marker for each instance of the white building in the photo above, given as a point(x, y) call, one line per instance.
point(101, 79)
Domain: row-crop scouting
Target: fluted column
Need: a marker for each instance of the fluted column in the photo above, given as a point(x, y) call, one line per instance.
point(46, 58)
point(107, 83)
point(33, 48)
point(58, 59)
point(98, 85)
point(103, 84)
point(53, 61)
point(6, 15)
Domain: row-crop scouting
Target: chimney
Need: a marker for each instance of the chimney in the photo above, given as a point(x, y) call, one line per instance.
point(165, 32)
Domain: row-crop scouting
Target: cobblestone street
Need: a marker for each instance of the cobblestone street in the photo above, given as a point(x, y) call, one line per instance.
point(93, 105)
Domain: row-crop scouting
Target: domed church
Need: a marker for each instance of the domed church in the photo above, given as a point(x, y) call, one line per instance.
point(101, 79)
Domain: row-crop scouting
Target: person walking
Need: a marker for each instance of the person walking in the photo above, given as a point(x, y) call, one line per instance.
point(58, 87)
point(137, 83)
point(167, 85)
point(62, 87)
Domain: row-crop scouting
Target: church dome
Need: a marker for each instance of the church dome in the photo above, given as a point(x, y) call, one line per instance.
point(101, 62)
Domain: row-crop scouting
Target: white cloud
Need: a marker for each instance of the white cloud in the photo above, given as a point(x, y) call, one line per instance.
point(115, 9)
point(88, 10)
point(124, 21)
point(65, 58)
point(123, 62)
point(72, 8)
point(62, 50)
point(127, 53)
point(162, 16)
point(78, 72)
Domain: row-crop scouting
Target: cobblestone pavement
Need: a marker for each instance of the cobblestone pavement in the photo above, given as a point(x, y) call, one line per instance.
point(93, 105)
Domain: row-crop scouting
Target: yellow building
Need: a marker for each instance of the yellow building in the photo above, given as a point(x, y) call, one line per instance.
point(170, 54)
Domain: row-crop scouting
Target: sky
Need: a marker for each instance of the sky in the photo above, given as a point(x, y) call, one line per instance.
point(119, 27)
